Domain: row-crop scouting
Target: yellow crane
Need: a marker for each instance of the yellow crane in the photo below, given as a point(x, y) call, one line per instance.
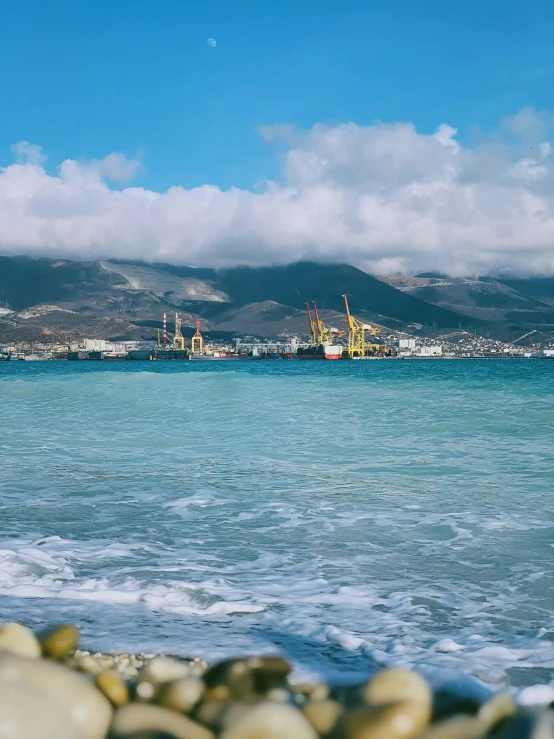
point(312, 327)
point(197, 341)
point(323, 333)
point(178, 339)
point(356, 333)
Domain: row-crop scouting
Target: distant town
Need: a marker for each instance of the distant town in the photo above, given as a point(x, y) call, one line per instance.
point(384, 345)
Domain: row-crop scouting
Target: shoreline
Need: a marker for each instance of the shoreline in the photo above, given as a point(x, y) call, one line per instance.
point(45, 677)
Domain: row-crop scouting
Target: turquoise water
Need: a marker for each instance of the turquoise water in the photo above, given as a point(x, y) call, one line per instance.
point(345, 514)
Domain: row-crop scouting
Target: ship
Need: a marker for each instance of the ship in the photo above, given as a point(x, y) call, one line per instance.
point(320, 351)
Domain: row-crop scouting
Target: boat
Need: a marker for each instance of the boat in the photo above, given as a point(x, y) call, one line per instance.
point(38, 357)
point(139, 354)
point(320, 351)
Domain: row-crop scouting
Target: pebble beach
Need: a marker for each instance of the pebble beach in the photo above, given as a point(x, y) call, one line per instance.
point(53, 688)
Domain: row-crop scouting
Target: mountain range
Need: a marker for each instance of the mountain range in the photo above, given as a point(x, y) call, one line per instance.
point(56, 300)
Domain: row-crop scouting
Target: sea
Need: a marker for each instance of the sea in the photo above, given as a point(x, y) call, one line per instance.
point(347, 515)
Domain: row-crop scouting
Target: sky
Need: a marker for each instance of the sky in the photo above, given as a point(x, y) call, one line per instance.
point(391, 134)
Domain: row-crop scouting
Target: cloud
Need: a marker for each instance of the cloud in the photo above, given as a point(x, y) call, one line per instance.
point(116, 167)
point(384, 197)
point(27, 153)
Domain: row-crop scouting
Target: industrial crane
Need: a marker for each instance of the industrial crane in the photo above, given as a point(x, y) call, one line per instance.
point(324, 334)
point(197, 340)
point(178, 339)
point(356, 333)
point(524, 336)
point(312, 327)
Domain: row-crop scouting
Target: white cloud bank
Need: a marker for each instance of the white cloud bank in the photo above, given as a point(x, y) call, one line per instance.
point(383, 197)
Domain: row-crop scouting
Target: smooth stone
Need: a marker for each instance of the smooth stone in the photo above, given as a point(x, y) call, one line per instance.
point(458, 727)
point(322, 714)
point(212, 713)
point(114, 687)
point(164, 670)
point(138, 717)
point(245, 677)
point(397, 685)
point(219, 693)
point(20, 640)
point(528, 725)
point(29, 714)
point(393, 721)
point(89, 712)
point(270, 721)
point(314, 691)
point(58, 642)
point(181, 695)
point(498, 708)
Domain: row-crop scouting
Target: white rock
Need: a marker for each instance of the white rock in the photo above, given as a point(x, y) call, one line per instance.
point(138, 717)
point(271, 721)
point(19, 640)
point(38, 681)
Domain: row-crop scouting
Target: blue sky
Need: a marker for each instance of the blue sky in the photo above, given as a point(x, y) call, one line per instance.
point(82, 78)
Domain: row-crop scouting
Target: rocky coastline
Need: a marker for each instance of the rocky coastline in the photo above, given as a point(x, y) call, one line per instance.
point(50, 688)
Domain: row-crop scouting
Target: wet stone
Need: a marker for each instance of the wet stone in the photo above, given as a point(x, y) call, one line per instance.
point(397, 685)
point(181, 695)
point(322, 714)
point(164, 669)
point(459, 727)
point(34, 683)
point(244, 677)
point(114, 688)
point(58, 642)
point(393, 721)
point(270, 721)
point(135, 718)
point(18, 639)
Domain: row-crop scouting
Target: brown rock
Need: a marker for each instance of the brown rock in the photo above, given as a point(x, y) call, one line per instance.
point(137, 718)
point(458, 727)
point(114, 687)
point(244, 677)
point(322, 714)
point(58, 642)
point(393, 721)
point(397, 685)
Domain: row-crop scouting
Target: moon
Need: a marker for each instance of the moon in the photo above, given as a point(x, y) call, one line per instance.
point(211, 42)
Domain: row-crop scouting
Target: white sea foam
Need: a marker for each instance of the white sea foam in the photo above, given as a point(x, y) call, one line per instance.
point(400, 533)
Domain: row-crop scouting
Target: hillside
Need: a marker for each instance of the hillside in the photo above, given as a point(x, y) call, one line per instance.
point(485, 298)
point(43, 299)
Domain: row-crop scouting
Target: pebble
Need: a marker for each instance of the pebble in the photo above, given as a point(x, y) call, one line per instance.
point(322, 714)
point(270, 721)
point(58, 642)
point(495, 710)
point(163, 670)
point(30, 715)
point(314, 691)
point(245, 677)
point(459, 727)
point(18, 639)
point(138, 719)
point(392, 721)
point(395, 685)
point(114, 688)
point(181, 695)
point(38, 682)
